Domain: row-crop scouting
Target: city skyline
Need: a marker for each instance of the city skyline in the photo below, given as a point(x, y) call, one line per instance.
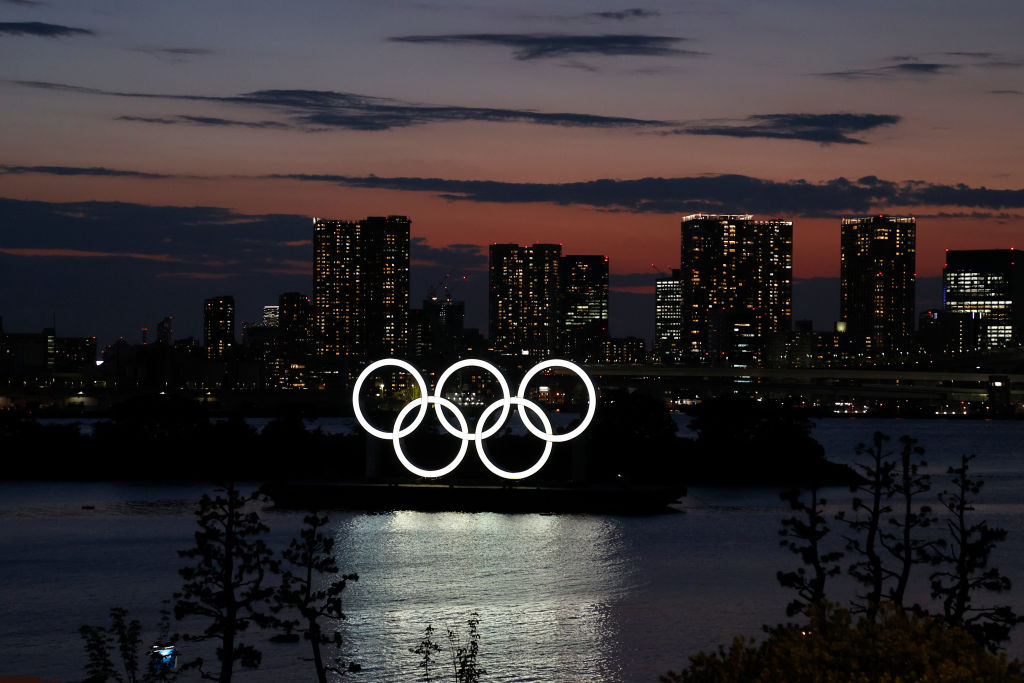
point(207, 141)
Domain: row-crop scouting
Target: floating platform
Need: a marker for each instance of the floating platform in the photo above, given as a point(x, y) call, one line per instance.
point(466, 497)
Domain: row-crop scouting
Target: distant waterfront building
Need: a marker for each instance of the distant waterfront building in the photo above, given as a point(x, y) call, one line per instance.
point(624, 351)
point(524, 299)
point(986, 285)
point(289, 356)
point(877, 277)
point(736, 285)
point(165, 331)
point(271, 315)
point(218, 325)
point(294, 319)
point(583, 284)
point(361, 287)
point(437, 329)
point(668, 317)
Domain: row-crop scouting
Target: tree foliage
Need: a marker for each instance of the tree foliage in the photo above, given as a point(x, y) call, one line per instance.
point(463, 654)
point(833, 647)
point(803, 534)
point(741, 441)
point(870, 506)
point(965, 565)
point(308, 560)
point(124, 637)
point(906, 545)
point(226, 587)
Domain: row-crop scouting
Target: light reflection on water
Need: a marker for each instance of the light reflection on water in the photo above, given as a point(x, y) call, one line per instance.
point(560, 598)
point(540, 584)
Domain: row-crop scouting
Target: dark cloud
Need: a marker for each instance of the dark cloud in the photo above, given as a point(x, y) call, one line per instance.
point(177, 51)
point(924, 68)
point(1006, 92)
point(175, 55)
point(453, 256)
point(925, 64)
point(823, 128)
point(37, 28)
point(320, 109)
point(78, 171)
point(109, 268)
point(623, 15)
point(905, 68)
point(712, 193)
point(204, 121)
point(972, 55)
point(24, 3)
point(527, 46)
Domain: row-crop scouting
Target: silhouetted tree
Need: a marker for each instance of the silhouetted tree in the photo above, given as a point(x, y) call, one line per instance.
point(226, 585)
point(426, 649)
point(802, 534)
point(465, 668)
point(307, 561)
point(966, 557)
point(905, 544)
point(464, 655)
point(866, 523)
point(125, 637)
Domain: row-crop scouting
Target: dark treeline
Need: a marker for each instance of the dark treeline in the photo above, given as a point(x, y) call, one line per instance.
point(633, 440)
point(897, 549)
point(172, 439)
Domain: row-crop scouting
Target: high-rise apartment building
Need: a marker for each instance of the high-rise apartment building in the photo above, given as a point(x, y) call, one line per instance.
point(218, 325)
point(294, 318)
point(987, 285)
point(165, 331)
point(524, 299)
point(271, 315)
point(668, 317)
point(877, 276)
point(736, 285)
point(583, 282)
point(361, 287)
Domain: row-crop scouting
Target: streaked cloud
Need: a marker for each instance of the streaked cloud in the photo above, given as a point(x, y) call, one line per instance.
point(903, 69)
point(312, 110)
point(467, 256)
point(184, 119)
point(176, 51)
point(711, 193)
point(929, 64)
point(529, 46)
point(38, 28)
point(44, 252)
point(626, 14)
point(823, 128)
point(79, 171)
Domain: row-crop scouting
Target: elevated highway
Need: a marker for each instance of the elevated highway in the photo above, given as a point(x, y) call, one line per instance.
point(823, 383)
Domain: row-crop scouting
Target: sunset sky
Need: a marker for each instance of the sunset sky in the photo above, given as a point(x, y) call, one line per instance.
point(154, 153)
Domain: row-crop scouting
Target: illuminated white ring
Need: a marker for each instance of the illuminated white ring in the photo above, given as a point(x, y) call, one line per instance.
point(419, 383)
point(397, 440)
point(506, 395)
point(591, 397)
point(522, 403)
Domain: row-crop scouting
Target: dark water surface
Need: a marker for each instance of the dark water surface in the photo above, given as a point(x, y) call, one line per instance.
point(560, 597)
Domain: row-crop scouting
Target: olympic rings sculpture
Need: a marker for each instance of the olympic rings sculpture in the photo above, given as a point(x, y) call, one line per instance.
point(477, 435)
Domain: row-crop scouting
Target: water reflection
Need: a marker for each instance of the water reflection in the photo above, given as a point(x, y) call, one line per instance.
point(542, 586)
